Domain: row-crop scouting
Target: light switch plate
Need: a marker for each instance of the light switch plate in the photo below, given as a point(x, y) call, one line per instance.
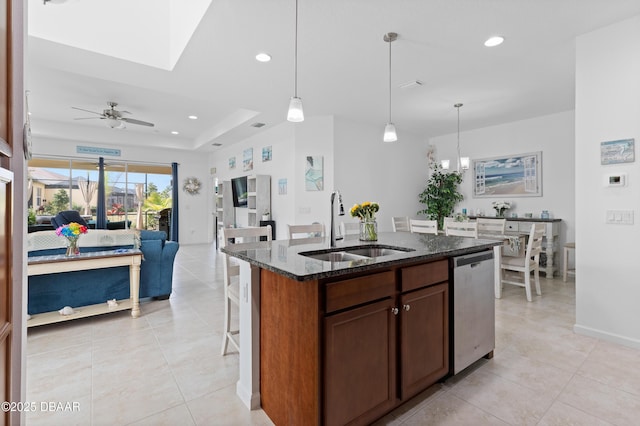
point(620, 217)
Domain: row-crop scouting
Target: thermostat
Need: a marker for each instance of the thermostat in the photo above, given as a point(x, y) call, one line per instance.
point(618, 179)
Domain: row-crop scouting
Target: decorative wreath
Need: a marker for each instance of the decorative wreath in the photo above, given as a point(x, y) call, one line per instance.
point(192, 185)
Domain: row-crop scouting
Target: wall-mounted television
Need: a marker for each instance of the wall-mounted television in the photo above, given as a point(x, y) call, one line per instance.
point(239, 190)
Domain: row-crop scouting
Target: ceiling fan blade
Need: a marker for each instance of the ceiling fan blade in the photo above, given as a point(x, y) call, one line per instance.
point(134, 121)
point(86, 110)
point(88, 118)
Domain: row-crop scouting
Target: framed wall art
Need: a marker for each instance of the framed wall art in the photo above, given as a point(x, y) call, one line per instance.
point(513, 176)
point(620, 151)
point(247, 159)
point(232, 162)
point(266, 153)
point(314, 173)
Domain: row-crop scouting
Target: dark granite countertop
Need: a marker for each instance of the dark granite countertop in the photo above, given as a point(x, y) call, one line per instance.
point(282, 256)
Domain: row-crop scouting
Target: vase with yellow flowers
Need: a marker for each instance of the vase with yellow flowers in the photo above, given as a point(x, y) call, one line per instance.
point(366, 212)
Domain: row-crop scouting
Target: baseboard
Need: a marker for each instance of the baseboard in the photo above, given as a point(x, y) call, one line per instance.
point(252, 402)
point(609, 337)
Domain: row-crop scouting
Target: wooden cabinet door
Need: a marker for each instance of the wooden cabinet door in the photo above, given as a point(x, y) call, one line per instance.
point(360, 365)
point(424, 337)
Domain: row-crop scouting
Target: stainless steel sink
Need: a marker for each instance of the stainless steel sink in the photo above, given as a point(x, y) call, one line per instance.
point(334, 256)
point(375, 251)
point(349, 254)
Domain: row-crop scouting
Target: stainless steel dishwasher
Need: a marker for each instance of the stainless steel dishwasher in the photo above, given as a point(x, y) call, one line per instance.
point(473, 309)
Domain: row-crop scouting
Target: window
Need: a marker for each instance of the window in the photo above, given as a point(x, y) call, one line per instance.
point(135, 193)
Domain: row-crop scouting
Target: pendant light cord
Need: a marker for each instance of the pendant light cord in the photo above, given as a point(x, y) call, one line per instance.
point(295, 56)
point(459, 161)
point(390, 80)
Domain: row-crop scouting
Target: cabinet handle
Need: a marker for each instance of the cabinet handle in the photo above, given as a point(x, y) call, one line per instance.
point(406, 307)
point(394, 311)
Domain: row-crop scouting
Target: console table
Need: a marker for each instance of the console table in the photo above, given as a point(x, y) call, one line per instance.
point(39, 265)
point(549, 243)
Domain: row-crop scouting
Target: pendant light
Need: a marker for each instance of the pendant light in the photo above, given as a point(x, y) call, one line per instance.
point(295, 114)
point(390, 134)
point(463, 162)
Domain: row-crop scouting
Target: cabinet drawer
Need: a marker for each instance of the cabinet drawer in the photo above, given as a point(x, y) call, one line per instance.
point(524, 226)
point(511, 226)
point(343, 294)
point(419, 276)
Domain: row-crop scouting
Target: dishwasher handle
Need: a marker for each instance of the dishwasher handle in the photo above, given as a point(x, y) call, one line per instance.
point(472, 259)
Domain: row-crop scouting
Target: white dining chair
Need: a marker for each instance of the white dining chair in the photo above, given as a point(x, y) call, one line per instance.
point(236, 236)
point(462, 229)
point(306, 231)
point(349, 228)
point(527, 264)
point(400, 223)
point(445, 221)
point(491, 226)
point(419, 226)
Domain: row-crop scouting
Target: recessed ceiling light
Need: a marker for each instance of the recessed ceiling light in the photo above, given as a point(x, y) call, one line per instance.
point(494, 41)
point(193, 117)
point(175, 133)
point(263, 57)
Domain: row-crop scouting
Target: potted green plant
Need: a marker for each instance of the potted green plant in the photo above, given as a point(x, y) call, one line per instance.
point(441, 194)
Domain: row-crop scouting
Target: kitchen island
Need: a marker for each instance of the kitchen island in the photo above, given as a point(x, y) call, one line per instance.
point(344, 335)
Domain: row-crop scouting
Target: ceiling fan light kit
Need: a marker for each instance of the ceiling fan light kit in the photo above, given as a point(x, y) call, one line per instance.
point(113, 117)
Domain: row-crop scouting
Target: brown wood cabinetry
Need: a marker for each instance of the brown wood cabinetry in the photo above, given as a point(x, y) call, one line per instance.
point(360, 364)
point(370, 342)
point(424, 336)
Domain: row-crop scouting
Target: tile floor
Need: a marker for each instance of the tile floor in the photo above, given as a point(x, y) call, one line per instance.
point(165, 368)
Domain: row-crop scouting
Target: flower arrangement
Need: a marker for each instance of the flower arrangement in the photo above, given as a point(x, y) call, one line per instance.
point(500, 207)
point(366, 212)
point(72, 232)
point(460, 217)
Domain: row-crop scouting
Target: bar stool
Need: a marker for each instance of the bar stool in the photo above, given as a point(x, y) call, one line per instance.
point(565, 270)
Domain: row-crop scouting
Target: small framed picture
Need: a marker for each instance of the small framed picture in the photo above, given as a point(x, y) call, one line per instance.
point(615, 152)
point(266, 153)
point(232, 162)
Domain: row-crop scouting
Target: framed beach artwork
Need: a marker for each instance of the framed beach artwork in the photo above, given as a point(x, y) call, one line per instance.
point(266, 153)
point(247, 160)
point(514, 176)
point(232, 162)
point(620, 151)
point(282, 186)
point(314, 173)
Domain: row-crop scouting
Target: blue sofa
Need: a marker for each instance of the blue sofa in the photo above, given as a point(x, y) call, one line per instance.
point(52, 292)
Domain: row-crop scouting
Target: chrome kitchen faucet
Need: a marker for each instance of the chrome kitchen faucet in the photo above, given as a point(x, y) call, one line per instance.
point(340, 213)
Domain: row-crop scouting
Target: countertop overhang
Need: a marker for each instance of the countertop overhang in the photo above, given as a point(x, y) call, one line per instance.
point(283, 256)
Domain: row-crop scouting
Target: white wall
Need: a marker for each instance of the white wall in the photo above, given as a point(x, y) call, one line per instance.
point(195, 211)
point(356, 162)
point(607, 108)
point(551, 134)
point(314, 137)
point(281, 140)
point(367, 169)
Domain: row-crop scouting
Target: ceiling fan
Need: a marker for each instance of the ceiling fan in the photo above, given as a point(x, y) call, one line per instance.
point(113, 117)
